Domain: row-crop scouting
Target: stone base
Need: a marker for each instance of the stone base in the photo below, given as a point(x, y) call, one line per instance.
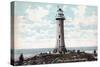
point(60, 50)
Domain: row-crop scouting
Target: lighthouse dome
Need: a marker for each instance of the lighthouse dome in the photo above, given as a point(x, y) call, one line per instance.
point(60, 14)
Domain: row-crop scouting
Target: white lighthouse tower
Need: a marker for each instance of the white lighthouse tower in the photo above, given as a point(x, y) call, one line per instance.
point(60, 43)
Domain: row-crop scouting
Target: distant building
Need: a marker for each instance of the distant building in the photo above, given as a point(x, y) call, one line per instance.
point(60, 44)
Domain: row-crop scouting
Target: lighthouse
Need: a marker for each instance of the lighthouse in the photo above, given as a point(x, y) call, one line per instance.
point(60, 43)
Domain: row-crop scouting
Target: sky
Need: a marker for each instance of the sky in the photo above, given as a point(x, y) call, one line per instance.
point(35, 25)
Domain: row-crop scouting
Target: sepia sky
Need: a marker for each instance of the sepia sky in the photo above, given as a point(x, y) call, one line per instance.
point(35, 25)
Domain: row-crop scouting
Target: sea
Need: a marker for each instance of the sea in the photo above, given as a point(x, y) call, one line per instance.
point(32, 52)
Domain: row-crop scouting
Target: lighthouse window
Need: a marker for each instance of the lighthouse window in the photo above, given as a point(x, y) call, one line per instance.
point(59, 24)
point(59, 41)
point(59, 36)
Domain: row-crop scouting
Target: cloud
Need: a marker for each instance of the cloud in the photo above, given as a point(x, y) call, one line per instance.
point(34, 22)
point(35, 29)
point(36, 14)
point(80, 11)
point(81, 19)
point(80, 42)
point(25, 28)
point(48, 6)
point(64, 7)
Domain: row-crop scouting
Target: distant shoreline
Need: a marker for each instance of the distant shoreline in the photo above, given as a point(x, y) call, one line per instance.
point(53, 48)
